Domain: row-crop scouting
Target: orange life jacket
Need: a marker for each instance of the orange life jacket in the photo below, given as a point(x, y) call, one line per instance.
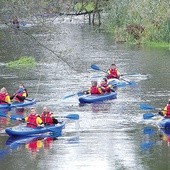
point(95, 90)
point(31, 121)
point(113, 73)
point(46, 118)
point(2, 98)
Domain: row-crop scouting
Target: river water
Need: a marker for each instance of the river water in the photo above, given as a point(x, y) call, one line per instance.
point(108, 136)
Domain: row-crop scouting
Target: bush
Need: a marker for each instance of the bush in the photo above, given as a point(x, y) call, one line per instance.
point(22, 62)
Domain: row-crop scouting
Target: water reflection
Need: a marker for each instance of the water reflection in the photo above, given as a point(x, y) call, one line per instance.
point(165, 135)
point(34, 144)
point(148, 141)
point(153, 137)
point(8, 117)
point(98, 106)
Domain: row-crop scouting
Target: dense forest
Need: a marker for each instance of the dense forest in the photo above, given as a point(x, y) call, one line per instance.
point(137, 21)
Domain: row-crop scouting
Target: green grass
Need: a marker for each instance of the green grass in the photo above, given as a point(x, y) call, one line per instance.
point(157, 44)
point(22, 62)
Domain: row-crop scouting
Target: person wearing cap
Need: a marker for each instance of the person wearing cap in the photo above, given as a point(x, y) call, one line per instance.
point(20, 94)
point(4, 96)
point(105, 87)
point(113, 72)
point(33, 120)
point(48, 117)
point(94, 89)
point(166, 111)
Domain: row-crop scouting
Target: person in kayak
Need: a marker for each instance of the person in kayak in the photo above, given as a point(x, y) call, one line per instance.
point(4, 96)
point(20, 94)
point(15, 21)
point(33, 119)
point(105, 87)
point(166, 111)
point(94, 89)
point(113, 72)
point(48, 117)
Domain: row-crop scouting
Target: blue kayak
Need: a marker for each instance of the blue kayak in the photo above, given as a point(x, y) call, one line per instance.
point(97, 98)
point(23, 130)
point(165, 123)
point(117, 83)
point(26, 102)
point(121, 82)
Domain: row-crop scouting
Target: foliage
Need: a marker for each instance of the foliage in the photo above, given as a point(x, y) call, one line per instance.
point(152, 15)
point(158, 44)
point(86, 7)
point(22, 62)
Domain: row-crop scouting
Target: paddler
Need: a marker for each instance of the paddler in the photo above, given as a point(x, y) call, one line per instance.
point(113, 72)
point(94, 89)
point(20, 94)
point(48, 117)
point(166, 110)
point(105, 87)
point(4, 96)
point(33, 119)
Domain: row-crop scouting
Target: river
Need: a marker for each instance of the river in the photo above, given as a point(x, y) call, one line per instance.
point(108, 136)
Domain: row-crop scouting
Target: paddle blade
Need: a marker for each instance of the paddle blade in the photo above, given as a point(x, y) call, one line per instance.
point(95, 67)
point(72, 116)
point(148, 115)
point(146, 106)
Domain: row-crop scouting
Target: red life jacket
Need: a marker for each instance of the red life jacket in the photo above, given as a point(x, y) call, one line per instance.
point(168, 111)
point(31, 122)
point(113, 74)
point(2, 98)
point(106, 87)
point(95, 90)
point(46, 118)
point(19, 94)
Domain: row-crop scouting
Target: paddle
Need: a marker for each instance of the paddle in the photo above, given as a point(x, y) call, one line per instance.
point(29, 99)
point(145, 106)
point(148, 115)
point(131, 83)
point(71, 95)
point(95, 67)
point(70, 116)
